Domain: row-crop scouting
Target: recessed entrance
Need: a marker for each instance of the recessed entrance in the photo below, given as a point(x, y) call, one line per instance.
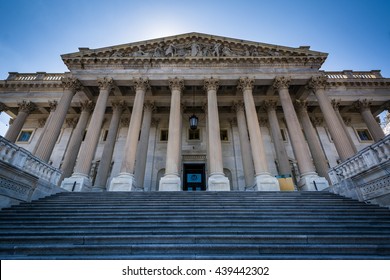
point(194, 177)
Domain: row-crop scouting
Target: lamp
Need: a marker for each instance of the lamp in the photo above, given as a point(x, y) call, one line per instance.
point(193, 119)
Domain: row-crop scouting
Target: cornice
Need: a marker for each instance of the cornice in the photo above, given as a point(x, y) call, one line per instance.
point(359, 83)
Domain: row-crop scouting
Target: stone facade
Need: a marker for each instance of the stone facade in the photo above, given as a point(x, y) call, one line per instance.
point(269, 118)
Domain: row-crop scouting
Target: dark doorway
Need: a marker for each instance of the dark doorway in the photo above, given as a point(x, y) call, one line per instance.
point(194, 177)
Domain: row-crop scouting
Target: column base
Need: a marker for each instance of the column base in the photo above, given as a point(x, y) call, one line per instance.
point(312, 182)
point(266, 182)
point(170, 183)
point(77, 183)
point(124, 182)
point(218, 183)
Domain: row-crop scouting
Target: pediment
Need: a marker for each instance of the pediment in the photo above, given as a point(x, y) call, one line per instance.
point(193, 47)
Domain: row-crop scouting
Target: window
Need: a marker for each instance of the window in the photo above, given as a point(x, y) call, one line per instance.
point(224, 135)
point(85, 134)
point(284, 136)
point(364, 134)
point(25, 135)
point(193, 134)
point(104, 137)
point(164, 135)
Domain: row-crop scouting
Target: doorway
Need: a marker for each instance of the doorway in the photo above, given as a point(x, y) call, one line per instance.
point(194, 177)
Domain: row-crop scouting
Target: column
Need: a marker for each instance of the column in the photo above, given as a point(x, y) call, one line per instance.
point(246, 156)
point(340, 138)
point(315, 147)
point(281, 154)
point(75, 141)
point(336, 105)
point(263, 179)
point(372, 125)
point(143, 144)
point(171, 180)
point(53, 106)
point(309, 179)
point(25, 108)
point(80, 178)
point(46, 146)
point(125, 181)
point(105, 161)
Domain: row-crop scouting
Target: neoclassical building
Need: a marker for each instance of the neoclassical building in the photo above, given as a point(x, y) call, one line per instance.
point(194, 112)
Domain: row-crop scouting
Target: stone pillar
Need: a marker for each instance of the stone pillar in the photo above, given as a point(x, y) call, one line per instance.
point(281, 154)
point(372, 125)
point(217, 180)
point(25, 108)
point(336, 105)
point(80, 177)
point(309, 179)
point(315, 147)
point(340, 138)
point(246, 155)
point(143, 144)
point(75, 141)
point(125, 181)
point(264, 181)
point(46, 146)
point(171, 180)
point(53, 106)
point(105, 162)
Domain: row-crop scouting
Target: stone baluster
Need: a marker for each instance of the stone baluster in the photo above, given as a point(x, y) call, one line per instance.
point(80, 176)
point(340, 139)
point(125, 181)
point(372, 125)
point(25, 108)
point(264, 181)
point(246, 155)
point(309, 179)
point(46, 146)
point(105, 162)
point(171, 180)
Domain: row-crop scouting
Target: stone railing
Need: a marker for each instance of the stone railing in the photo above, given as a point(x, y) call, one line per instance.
point(366, 175)
point(39, 76)
point(24, 160)
point(346, 74)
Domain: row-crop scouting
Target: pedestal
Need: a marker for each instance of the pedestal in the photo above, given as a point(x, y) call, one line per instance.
point(218, 183)
point(312, 183)
point(124, 182)
point(266, 182)
point(170, 183)
point(77, 183)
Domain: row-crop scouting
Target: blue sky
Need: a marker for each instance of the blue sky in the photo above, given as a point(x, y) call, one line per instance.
point(34, 33)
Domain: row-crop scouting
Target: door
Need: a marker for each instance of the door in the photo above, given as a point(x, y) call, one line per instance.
point(194, 177)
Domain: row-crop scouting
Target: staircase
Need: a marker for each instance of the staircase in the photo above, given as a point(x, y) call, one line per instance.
point(189, 225)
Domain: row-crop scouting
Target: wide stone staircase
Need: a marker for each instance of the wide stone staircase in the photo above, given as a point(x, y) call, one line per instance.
point(195, 225)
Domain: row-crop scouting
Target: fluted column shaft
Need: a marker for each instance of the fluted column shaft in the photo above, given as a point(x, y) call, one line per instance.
point(143, 145)
point(75, 141)
point(281, 154)
point(372, 125)
point(315, 147)
point(105, 161)
point(340, 139)
point(25, 108)
point(87, 154)
point(298, 142)
point(335, 105)
point(53, 106)
point(46, 146)
point(246, 156)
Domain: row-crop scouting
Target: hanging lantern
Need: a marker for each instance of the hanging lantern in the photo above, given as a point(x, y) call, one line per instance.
point(193, 122)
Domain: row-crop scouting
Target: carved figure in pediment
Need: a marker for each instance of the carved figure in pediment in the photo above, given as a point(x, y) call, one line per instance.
point(246, 52)
point(171, 50)
point(117, 54)
point(254, 52)
point(139, 52)
point(216, 49)
point(195, 49)
point(158, 51)
point(226, 51)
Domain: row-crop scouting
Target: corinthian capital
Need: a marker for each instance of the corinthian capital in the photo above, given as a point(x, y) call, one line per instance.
point(318, 82)
point(71, 84)
point(335, 104)
point(119, 105)
point(211, 84)
point(87, 105)
point(105, 83)
point(238, 106)
point(141, 84)
point(281, 82)
point(26, 106)
point(176, 84)
point(269, 105)
point(149, 106)
point(363, 104)
point(301, 105)
point(53, 105)
point(245, 83)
